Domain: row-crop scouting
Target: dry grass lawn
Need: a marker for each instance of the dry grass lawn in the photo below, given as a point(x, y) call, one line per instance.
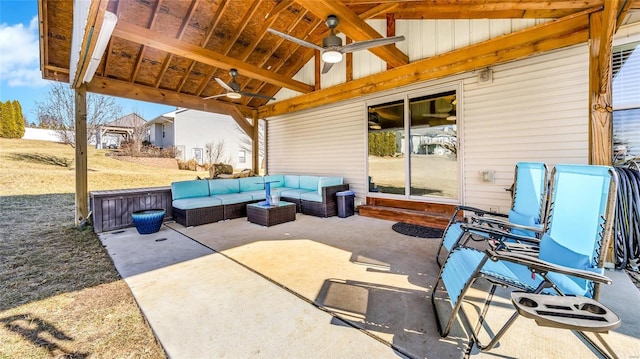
point(60, 295)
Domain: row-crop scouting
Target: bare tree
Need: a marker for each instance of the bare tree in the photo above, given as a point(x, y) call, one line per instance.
point(59, 106)
point(215, 152)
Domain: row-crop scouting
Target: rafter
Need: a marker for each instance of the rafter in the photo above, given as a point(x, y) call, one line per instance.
point(356, 28)
point(268, 56)
point(217, 17)
point(161, 42)
point(243, 24)
point(181, 32)
point(143, 49)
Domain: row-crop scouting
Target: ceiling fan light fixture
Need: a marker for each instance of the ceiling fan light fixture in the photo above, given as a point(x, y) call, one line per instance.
point(233, 95)
point(332, 56)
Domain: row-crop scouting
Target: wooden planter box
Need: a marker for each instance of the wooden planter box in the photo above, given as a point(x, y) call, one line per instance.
point(112, 209)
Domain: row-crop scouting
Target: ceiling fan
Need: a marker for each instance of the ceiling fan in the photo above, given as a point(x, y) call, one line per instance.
point(332, 48)
point(233, 89)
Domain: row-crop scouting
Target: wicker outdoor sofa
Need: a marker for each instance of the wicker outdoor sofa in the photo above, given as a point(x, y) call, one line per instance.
point(199, 202)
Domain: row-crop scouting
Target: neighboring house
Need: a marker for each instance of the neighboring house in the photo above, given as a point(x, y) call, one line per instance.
point(203, 136)
point(112, 134)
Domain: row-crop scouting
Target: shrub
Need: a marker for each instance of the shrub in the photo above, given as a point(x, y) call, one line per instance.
point(382, 143)
point(190, 165)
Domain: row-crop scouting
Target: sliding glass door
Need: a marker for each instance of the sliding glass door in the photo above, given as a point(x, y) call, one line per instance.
point(413, 146)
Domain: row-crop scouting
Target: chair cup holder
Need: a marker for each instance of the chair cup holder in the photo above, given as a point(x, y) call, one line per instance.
point(591, 308)
point(528, 302)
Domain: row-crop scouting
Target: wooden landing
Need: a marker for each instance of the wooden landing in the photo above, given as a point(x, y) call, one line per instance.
point(421, 213)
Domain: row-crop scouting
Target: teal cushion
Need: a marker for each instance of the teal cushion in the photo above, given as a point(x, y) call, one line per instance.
point(309, 182)
point(224, 186)
point(189, 189)
point(311, 196)
point(552, 251)
point(292, 181)
point(328, 181)
point(277, 180)
point(251, 184)
point(293, 192)
point(197, 202)
point(257, 195)
point(234, 198)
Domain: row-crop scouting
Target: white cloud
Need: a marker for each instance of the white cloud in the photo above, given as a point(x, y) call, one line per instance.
point(20, 55)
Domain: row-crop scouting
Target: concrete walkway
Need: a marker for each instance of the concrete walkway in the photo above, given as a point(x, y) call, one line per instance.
point(319, 288)
point(201, 304)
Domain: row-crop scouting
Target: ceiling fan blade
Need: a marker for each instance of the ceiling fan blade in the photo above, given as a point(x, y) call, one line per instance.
point(367, 44)
point(295, 39)
point(326, 67)
point(257, 95)
point(214, 96)
point(223, 84)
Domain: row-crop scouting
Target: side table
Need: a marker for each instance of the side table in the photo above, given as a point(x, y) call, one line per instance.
point(269, 215)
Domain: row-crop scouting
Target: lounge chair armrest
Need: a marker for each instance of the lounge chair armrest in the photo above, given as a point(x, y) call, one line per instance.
point(504, 223)
point(538, 265)
point(480, 212)
point(495, 233)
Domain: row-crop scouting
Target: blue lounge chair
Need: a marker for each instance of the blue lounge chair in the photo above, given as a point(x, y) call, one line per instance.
point(571, 257)
point(527, 212)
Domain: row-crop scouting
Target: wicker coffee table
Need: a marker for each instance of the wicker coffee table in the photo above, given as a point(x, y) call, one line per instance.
point(266, 215)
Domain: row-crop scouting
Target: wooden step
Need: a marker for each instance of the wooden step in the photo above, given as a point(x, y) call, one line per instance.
point(422, 218)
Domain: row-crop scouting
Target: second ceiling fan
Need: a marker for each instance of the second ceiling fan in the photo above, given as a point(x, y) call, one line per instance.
point(234, 90)
point(332, 48)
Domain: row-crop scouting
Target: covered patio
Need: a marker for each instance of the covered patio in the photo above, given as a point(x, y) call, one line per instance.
point(319, 288)
point(530, 80)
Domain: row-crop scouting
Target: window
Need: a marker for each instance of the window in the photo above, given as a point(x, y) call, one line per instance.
point(412, 146)
point(626, 101)
point(197, 155)
point(242, 156)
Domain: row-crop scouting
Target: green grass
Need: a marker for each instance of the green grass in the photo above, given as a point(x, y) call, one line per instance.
point(60, 295)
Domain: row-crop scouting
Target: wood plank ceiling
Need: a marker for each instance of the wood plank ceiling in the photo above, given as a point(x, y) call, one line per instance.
point(170, 52)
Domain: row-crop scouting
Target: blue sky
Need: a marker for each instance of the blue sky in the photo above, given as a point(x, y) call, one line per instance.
point(20, 77)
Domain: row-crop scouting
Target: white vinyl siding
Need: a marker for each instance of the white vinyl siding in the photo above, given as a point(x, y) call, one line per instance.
point(534, 110)
point(327, 141)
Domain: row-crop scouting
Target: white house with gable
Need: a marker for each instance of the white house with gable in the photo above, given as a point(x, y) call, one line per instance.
point(203, 136)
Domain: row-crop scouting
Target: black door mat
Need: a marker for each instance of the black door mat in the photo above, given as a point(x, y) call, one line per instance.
point(415, 230)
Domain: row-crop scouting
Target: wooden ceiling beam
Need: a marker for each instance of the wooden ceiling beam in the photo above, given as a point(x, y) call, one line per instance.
point(123, 89)
point(161, 42)
point(560, 33)
point(356, 28)
point(482, 9)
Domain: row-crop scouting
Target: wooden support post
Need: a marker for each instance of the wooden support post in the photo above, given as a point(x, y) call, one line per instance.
point(600, 96)
point(82, 205)
point(601, 30)
point(255, 143)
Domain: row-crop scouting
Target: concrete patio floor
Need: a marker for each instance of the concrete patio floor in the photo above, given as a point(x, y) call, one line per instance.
point(319, 288)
